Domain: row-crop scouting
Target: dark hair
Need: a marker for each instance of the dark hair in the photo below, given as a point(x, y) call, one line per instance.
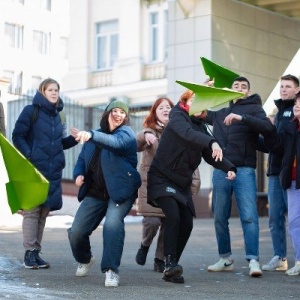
point(291, 78)
point(297, 96)
point(104, 124)
point(151, 119)
point(241, 78)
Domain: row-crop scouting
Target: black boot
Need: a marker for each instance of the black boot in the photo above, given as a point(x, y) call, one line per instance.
point(141, 255)
point(175, 279)
point(29, 260)
point(172, 269)
point(41, 263)
point(159, 265)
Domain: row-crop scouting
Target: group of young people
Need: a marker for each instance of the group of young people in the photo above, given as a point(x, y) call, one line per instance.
point(172, 145)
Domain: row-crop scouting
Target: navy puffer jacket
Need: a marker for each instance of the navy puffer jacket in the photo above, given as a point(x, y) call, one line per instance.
point(42, 142)
point(118, 161)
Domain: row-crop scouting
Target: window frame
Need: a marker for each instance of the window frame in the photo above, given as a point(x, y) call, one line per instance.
point(105, 61)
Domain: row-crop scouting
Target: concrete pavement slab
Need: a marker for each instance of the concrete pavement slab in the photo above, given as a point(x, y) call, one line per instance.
point(140, 282)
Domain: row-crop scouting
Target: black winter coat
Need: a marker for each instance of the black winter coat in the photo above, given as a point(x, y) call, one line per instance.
point(42, 142)
point(238, 141)
point(183, 143)
point(287, 145)
point(283, 117)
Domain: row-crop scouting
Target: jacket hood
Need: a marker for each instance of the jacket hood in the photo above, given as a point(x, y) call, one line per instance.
point(52, 108)
point(281, 104)
point(252, 99)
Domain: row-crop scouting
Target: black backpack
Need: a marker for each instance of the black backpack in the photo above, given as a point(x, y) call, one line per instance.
point(35, 115)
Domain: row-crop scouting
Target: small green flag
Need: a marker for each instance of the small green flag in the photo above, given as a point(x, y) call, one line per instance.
point(208, 97)
point(27, 187)
point(222, 76)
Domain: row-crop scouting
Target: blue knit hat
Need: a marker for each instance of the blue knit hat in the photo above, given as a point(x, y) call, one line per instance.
point(117, 104)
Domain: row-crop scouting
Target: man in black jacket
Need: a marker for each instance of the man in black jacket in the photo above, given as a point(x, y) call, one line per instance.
point(289, 86)
point(239, 144)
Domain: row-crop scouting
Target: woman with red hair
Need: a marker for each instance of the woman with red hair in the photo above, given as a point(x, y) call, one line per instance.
point(153, 220)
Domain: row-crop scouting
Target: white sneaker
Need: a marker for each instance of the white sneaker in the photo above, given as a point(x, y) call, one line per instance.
point(224, 264)
point(83, 269)
point(276, 264)
point(255, 270)
point(293, 271)
point(112, 279)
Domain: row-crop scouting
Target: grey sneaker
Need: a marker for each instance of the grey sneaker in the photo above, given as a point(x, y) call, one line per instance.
point(255, 270)
point(276, 264)
point(83, 269)
point(224, 264)
point(293, 271)
point(112, 279)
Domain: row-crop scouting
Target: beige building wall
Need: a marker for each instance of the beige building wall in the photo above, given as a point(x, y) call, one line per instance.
point(253, 42)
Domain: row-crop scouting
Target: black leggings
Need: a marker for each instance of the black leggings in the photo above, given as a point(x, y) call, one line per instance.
point(178, 225)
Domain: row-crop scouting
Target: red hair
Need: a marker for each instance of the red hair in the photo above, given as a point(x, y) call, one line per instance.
point(186, 96)
point(151, 119)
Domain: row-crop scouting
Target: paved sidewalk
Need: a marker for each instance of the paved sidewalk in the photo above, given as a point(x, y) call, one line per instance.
point(137, 282)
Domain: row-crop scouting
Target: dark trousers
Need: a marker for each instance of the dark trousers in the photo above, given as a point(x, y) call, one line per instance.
point(178, 225)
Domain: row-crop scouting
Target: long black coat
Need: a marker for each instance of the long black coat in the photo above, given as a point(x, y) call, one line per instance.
point(283, 117)
point(287, 145)
point(183, 144)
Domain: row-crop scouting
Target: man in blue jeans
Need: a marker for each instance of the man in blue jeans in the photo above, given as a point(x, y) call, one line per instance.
point(289, 86)
point(239, 144)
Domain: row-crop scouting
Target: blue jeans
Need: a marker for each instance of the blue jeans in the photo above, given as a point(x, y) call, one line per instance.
point(244, 188)
point(277, 198)
point(88, 217)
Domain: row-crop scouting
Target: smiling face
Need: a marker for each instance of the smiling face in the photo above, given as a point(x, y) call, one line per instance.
point(241, 87)
point(162, 112)
point(288, 89)
point(116, 118)
point(52, 93)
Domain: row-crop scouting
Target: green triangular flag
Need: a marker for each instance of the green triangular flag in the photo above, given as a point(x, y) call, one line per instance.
point(208, 97)
point(27, 187)
point(222, 76)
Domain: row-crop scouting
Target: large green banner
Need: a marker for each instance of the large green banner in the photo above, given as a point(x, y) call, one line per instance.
point(27, 187)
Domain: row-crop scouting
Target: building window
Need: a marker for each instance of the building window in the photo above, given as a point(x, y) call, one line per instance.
point(107, 40)
point(154, 36)
point(15, 78)
point(45, 4)
point(158, 20)
point(35, 82)
point(14, 35)
point(19, 1)
point(165, 35)
point(41, 42)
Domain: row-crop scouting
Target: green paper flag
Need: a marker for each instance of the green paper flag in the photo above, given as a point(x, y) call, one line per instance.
point(27, 187)
point(222, 76)
point(208, 97)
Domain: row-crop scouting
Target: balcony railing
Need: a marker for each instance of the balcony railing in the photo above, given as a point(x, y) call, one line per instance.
point(151, 71)
point(154, 71)
point(101, 78)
